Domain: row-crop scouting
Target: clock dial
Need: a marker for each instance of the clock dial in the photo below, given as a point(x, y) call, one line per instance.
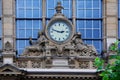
point(59, 31)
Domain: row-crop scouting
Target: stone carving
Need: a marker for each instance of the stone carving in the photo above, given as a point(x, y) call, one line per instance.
point(83, 64)
point(44, 46)
point(74, 49)
point(37, 46)
point(22, 64)
point(8, 46)
point(36, 64)
point(59, 7)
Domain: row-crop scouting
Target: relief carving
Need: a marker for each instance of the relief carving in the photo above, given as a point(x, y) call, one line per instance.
point(83, 64)
point(36, 64)
point(8, 47)
point(22, 64)
point(44, 48)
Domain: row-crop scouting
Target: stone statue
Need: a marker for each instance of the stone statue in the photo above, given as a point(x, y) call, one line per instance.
point(78, 42)
point(42, 39)
point(38, 45)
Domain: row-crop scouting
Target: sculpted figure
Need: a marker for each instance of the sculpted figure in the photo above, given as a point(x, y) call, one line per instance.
point(38, 45)
point(42, 39)
point(79, 43)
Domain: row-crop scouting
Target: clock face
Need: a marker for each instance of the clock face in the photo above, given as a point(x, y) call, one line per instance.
point(59, 31)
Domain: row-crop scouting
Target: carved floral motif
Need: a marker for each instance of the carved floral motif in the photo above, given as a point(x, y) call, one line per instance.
point(22, 64)
point(83, 64)
point(36, 64)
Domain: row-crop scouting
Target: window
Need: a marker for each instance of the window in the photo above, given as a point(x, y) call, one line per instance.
point(28, 21)
point(0, 24)
point(89, 21)
point(119, 19)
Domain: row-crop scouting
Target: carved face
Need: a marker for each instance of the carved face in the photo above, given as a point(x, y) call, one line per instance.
point(59, 31)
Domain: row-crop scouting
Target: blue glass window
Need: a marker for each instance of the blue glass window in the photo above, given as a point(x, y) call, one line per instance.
point(28, 22)
point(119, 19)
point(89, 21)
point(0, 23)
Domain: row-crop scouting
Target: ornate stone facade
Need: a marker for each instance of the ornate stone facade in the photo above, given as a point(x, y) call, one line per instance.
point(47, 59)
point(74, 50)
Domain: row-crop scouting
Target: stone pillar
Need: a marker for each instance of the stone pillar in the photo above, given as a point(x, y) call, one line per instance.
point(110, 22)
point(74, 14)
point(8, 23)
point(43, 14)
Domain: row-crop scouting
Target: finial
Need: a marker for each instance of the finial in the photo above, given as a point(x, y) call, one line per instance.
point(59, 7)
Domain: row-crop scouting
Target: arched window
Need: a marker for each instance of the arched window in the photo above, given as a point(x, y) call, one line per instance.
point(0, 23)
point(89, 21)
point(28, 21)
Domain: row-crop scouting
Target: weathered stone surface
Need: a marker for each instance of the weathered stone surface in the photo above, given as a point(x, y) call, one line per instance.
point(7, 7)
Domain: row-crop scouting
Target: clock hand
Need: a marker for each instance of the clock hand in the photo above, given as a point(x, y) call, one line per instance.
point(62, 31)
point(58, 31)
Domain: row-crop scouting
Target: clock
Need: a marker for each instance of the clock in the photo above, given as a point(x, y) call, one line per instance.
point(59, 31)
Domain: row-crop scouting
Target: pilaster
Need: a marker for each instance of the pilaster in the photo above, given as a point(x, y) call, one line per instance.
point(110, 22)
point(8, 23)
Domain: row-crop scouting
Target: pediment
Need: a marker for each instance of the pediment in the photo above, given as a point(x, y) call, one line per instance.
point(8, 68)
